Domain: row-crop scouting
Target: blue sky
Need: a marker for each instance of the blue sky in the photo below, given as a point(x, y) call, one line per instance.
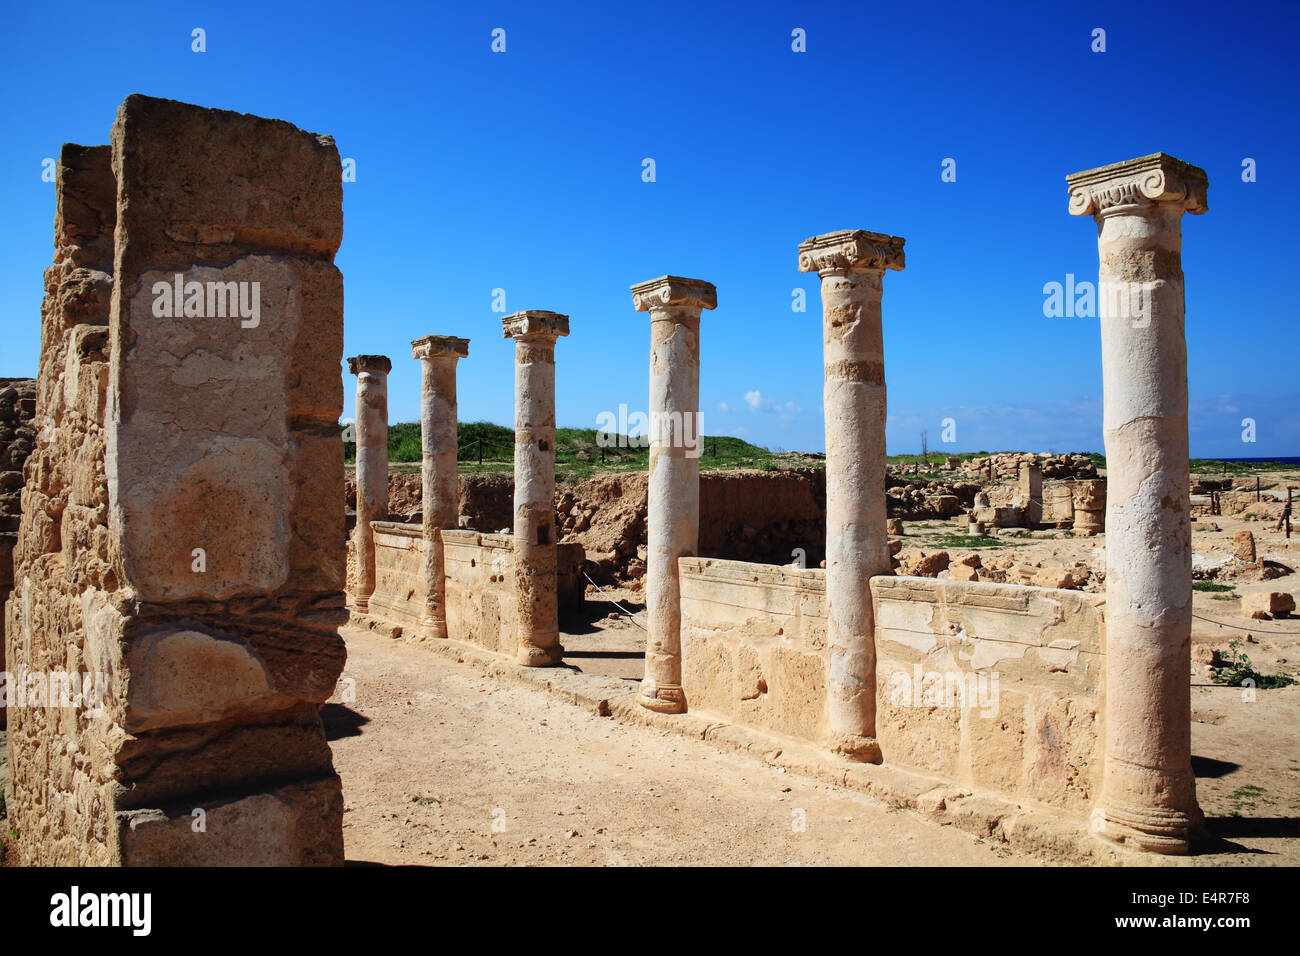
point(522, 171)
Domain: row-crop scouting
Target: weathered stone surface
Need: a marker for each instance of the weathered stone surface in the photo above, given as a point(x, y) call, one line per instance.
point(1149, 793)
point(1263, 605)
point(371, 432)
point(437, 355)
point(673, 507)
point(852, 265)
point(534, 567)
point(1243, 547)
point(178, 537)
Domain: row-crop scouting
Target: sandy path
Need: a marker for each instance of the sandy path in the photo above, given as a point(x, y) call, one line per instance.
point(439, 753)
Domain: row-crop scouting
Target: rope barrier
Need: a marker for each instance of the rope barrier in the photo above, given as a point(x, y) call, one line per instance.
point(615, 603)
point(1255, 630)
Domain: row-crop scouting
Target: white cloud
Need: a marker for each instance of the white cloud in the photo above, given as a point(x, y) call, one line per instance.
point(724, 407)
point(757, 403)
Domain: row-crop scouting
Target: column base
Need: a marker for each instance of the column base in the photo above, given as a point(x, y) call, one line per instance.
point(432, 628)
point(530, 655)
point(856, 747)
point(361, 605)
point(1148, 829)
point(662, 698)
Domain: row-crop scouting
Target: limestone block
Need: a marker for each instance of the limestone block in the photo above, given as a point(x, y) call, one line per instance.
point(1263, 605)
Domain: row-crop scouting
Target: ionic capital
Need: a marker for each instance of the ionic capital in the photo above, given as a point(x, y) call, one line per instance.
point(369, 363)
point(535, 324)
point(439, 346)
point(851, 249)
point(674, 292)
point(1143, 181)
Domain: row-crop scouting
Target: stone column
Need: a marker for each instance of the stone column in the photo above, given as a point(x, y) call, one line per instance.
point(438, 445)
point(673, 504)
point(1148, 798)
point(372, 466)
point(852, 266)
point(1031, 493)
point(537, 608)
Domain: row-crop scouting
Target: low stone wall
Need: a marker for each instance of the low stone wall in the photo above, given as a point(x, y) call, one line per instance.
point(480, 592)
point(991, 685)
point(995, 685)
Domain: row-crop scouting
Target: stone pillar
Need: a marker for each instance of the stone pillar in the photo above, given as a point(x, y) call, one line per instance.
point(536, 599)
point(181, 542)
point(1031, 493)
point(1088, 506)
point(1148, 797)
point(372, 466)
point(438, 355)
point(673, 500)
point(852, 266)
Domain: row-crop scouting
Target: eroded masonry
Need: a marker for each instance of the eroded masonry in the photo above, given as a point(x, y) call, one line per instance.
point(183, 535)
point(177, 556)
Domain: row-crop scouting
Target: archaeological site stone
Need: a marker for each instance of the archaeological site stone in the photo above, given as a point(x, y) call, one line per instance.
point(538, 613)
point(852, 265)
point(181, 546)
point(1148, 798)
point(1089, 506)
point(1243, 547)
point(1031, 493)
point(1263, 605)
point(673, 516)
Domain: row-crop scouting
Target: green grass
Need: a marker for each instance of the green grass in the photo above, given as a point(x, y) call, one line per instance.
point(1237, 669)
point(1212, 466)
point(968, 541)
point(1210, 586)
point(485, 447)
point(719, 451)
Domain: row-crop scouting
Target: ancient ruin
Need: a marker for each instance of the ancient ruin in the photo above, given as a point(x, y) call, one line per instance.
point(182, 553)
point(175, 558)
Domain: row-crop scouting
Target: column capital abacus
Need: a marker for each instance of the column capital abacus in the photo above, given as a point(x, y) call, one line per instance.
point(674, 292)
point(369, 363)
point(439, 346)
point(851, 249)
point(1143, 181)
point(534, 324)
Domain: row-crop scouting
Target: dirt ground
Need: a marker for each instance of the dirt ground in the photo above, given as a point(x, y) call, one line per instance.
point(433, 756)
point(431, 750)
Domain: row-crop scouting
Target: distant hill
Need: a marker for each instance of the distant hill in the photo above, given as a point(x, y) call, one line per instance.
point(575, 449)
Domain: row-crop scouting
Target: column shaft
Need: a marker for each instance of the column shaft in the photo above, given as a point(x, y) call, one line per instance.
point(536, 605)
point(372, 466)
point(438, 471)
point(852, 267)
point(1148, 798)
point(673, 500)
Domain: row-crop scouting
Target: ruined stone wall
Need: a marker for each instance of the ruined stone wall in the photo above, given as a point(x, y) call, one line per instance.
point(176, 537)
point(61, 786)
point(989, 685)
point(480, 596)
point(17, 439)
